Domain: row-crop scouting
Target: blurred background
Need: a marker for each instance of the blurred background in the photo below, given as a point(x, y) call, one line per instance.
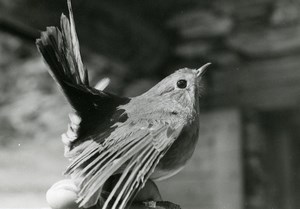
point(248, 152)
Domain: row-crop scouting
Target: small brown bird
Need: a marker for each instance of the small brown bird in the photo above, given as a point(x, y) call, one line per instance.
point(150, 136)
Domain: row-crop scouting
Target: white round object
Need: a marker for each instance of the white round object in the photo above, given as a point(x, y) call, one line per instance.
point(63, 195)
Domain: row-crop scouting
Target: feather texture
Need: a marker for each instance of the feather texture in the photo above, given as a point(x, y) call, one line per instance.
point(111, 135)
point(134, 154)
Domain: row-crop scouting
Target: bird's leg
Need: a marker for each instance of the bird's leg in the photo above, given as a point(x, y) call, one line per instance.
point(148, 195)
point(150, 204)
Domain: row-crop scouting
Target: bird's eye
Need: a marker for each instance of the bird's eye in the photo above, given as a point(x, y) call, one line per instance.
point(181, 84)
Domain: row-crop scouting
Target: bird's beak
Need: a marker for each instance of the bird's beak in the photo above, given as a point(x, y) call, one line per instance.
point(202, 69)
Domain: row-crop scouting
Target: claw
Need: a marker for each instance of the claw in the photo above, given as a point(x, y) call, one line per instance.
point(150, 204)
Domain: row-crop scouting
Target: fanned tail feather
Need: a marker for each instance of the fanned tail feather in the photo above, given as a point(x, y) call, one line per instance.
point(76, 47)
point(61, 51)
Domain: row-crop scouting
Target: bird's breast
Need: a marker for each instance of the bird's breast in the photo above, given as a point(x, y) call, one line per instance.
point(160, 174)
point(179, 153)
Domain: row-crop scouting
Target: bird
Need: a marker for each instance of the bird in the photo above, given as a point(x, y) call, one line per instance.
point(147, 137)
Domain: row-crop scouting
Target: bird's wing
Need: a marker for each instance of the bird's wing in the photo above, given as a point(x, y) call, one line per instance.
point(133, 149)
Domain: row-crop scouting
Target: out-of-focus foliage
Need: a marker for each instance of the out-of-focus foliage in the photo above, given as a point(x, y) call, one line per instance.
point(26, 103)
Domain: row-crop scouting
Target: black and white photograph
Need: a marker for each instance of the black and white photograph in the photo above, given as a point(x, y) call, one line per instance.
point(162, 104)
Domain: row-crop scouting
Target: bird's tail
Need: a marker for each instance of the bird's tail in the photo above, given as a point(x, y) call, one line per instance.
point(60, 50)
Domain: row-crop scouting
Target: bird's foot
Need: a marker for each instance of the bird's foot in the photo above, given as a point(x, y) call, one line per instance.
point(150, 204)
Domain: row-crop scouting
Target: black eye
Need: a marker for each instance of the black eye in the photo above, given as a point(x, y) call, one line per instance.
point(181, 84)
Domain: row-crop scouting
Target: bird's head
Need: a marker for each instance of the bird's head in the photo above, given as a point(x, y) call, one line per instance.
point(183, 86)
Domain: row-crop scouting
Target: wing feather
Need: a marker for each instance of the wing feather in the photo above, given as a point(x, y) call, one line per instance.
point(129, 178)
point(133, 149)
